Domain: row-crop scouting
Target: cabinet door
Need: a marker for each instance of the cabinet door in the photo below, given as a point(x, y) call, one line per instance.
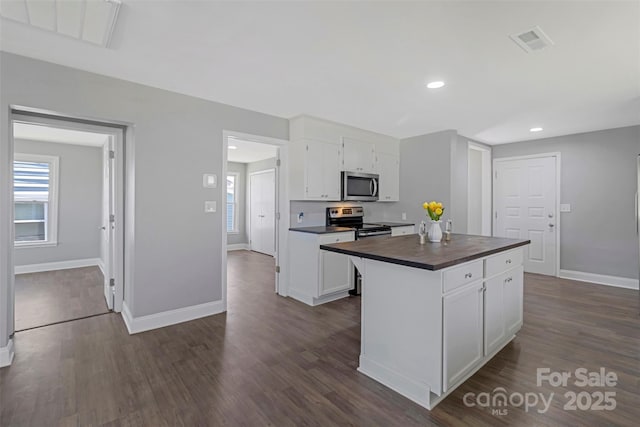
point(388, 167)
point(513, 294)
point(331, 171)
point(357, 155)
point(314, 170)
point(335, 273)
point(494, 323)
point(462, 332)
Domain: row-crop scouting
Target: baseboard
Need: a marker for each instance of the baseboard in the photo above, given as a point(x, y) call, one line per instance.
point(6, 354)
point(238, 247)
point(58, 265)
point(600, 279)
point(101, 267)
point(171, 317)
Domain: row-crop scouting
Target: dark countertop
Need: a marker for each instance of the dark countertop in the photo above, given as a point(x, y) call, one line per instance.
point(392, 224)
point(322, 229)
point(407, 250)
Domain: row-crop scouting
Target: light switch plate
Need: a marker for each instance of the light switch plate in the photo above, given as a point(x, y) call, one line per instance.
point(209, 180)
point(210, 206)
point(565, 207)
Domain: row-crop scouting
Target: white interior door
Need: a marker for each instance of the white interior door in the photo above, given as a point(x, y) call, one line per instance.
point(525, 208)
point(263, 212)
point(108, 227)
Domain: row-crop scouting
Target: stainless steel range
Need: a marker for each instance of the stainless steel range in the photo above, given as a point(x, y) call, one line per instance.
point(354, 217)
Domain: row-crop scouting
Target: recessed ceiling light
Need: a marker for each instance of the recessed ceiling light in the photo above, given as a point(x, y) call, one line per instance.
point(435, 85)
point(535, 129)
point(233, 147)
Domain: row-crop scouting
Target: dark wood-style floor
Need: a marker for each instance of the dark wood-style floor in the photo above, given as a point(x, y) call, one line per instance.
point(274, 361)
point(56, 296)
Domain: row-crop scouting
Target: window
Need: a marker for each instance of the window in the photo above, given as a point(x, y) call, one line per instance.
point(35, 198)
point(232, 203)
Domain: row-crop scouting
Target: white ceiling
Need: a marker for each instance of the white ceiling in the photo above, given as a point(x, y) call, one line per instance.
point(249, 152)
point(35, 132)
point(366, 63)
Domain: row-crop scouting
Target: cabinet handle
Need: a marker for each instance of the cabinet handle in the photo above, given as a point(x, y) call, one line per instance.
point(507, 280)
point(508, 261)
point(337, 240)
point(468, 276)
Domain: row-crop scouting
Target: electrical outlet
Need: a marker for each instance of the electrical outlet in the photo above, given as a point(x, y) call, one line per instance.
point(404, 216)
point(565, 207)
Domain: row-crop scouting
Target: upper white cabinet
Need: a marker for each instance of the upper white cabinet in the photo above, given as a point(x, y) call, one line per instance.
point(357, 156)
point(388, 167)
point(322, 171)
point(320, 150)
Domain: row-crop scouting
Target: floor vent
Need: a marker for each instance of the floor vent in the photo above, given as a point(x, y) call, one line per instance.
point(531, 40)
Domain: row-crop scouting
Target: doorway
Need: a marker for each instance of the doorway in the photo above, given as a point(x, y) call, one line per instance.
point(257, 217)
point(262, 211)
point(479, 190)
point(526, 204)
point(68, 210)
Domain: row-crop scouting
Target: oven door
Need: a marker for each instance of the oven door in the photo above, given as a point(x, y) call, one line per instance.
point(362, 187)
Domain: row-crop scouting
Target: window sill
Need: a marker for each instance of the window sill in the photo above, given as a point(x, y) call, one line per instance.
point(19, 245)
point(233, 232)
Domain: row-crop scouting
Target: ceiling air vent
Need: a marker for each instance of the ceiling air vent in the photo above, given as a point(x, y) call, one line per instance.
point(533, 39)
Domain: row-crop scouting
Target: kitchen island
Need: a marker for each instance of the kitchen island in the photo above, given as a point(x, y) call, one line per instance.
point(433, 314)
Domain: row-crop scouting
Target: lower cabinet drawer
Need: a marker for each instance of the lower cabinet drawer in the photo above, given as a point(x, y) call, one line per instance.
point(327, 239)
point(503, 261)
point(460, 276)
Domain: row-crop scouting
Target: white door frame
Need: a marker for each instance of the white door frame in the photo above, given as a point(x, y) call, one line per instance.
point(116, 132)
point(487, 184)
point(282, 209)
point(249, 198)
point(557, 156)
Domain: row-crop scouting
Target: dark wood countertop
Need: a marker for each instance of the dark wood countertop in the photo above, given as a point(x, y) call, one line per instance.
point(322, 229)
point(407, 250)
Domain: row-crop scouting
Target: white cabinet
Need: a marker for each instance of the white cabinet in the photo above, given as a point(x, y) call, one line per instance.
point(401, 231)
point(503, 298)
point(462, 332)
point(494, 323)
point(322, 167)
point(513, 298)
point(388, 167)
point(318, 276)
point(320, 150)
point(357, 156)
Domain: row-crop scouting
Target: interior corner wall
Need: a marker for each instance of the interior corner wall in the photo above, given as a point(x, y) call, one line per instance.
point(599, 181)
point(459, 183)
point(79, 203)
point(241, 185)
point(426, 174)
point(177, 247)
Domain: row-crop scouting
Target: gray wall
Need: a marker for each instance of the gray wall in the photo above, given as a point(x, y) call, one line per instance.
point(598, 172)
point(241, 185)
point(176, 138)
point(425, 174)
point(260, 166)
point(79, 203)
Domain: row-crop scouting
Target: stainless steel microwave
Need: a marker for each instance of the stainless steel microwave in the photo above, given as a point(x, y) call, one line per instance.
point(361, 187)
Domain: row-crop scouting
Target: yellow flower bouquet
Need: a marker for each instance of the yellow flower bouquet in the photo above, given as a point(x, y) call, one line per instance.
point(434, 210)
